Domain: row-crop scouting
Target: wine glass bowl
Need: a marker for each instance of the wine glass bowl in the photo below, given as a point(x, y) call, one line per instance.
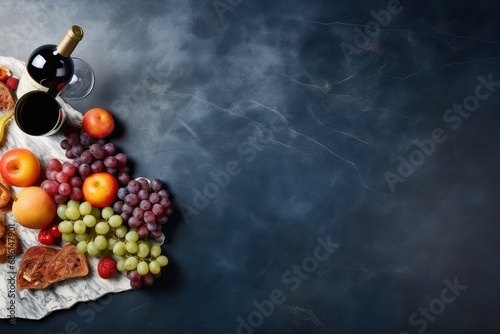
point(82, 82)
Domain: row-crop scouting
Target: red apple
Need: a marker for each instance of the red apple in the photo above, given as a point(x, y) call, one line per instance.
point(20, 167)
point(100, 189)
point(98, 122)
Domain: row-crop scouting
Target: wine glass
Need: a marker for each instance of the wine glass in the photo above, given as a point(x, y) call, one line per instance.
point(82, 82)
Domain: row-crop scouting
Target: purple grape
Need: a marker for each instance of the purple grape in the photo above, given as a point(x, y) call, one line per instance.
point(123, 178)
point(156, 185)
point(65, 145)
point(86, 157)
point(151, 226)
point(149, 217)
point(54, 165)
point(133, 186)
point(145, 205)
point(75, 181)
point(143, 194)
point(51, 187)
point(60, 199)
point(134, 276)
point(157, 209)
point(144, 183)
point(154, 198)
point(110, 148)
point(110, 162)
point(64, 189)
point(97, 151)
point(132, 200)
point(101, 141)
point(84, 170)
point(76, 194)
point(73, 138)
point(125, 216)
point(127, 209)
point(97, 166)
point(121, 159)
point(165, 203)
point(85, 139)
point(148, 279)
point(138, 213)
point(163, 193)
point(134, 222)
point(142, 231)
point(122, 192)
point(135, 285)
point(117, 206)
point(77, 150)
point(157, 233)
point(69, 154)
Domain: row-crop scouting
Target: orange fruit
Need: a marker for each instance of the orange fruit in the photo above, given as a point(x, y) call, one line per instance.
point(34, 208)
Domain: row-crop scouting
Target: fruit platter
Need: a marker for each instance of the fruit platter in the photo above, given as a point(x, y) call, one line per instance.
point(75, 223)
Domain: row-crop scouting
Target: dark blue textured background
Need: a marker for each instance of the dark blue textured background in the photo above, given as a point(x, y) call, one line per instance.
point(260, 96)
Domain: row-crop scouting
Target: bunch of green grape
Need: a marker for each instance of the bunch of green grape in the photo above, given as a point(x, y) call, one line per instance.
point(101, 232)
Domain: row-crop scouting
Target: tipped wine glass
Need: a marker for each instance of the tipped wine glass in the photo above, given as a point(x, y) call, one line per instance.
point(82, 82)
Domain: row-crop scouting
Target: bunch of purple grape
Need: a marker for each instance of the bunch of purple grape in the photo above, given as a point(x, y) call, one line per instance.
point(95, 155)
point(145, 206)
point(62, 181)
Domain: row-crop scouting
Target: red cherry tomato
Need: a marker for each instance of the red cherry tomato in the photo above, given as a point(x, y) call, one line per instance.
point(54, 230)
point(46, 238)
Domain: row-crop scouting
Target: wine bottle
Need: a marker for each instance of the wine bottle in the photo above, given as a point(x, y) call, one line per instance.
point(50, 67)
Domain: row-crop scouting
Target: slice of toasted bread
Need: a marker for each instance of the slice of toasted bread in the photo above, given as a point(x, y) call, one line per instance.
point(32, 273)
point(7, 101)
point(68, 263)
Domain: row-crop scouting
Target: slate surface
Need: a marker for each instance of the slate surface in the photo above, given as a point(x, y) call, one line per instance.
point(334, 163)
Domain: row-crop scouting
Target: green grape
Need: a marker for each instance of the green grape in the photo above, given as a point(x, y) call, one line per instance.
point(115, 220)
point(162, 260)
point(73, 204)
point(82, 237)
point(102, 228)
point(131, 263)
point(82, 246)
point(101, 242)
point(142, 268)
point(119, 248)
point(143, 250)
point(131, 247)
point(96, 212)
point(155, 251)
point(72, 213)
point(111, 243)
point(107, 212)
point(79, 227)
point(154, 267)
point(65, 226)
point(61, 211)
point(120, 265)
point(85, 208)
point(89, 220)
point(121, 231)
point(132, 236)
point(68, 237)
point(92, 249)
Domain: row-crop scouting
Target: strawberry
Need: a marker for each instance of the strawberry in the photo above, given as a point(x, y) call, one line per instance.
point(106, 267)
point(12, 83)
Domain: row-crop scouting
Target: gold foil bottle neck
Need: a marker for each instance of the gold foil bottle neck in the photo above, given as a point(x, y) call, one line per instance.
point(70, 41)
